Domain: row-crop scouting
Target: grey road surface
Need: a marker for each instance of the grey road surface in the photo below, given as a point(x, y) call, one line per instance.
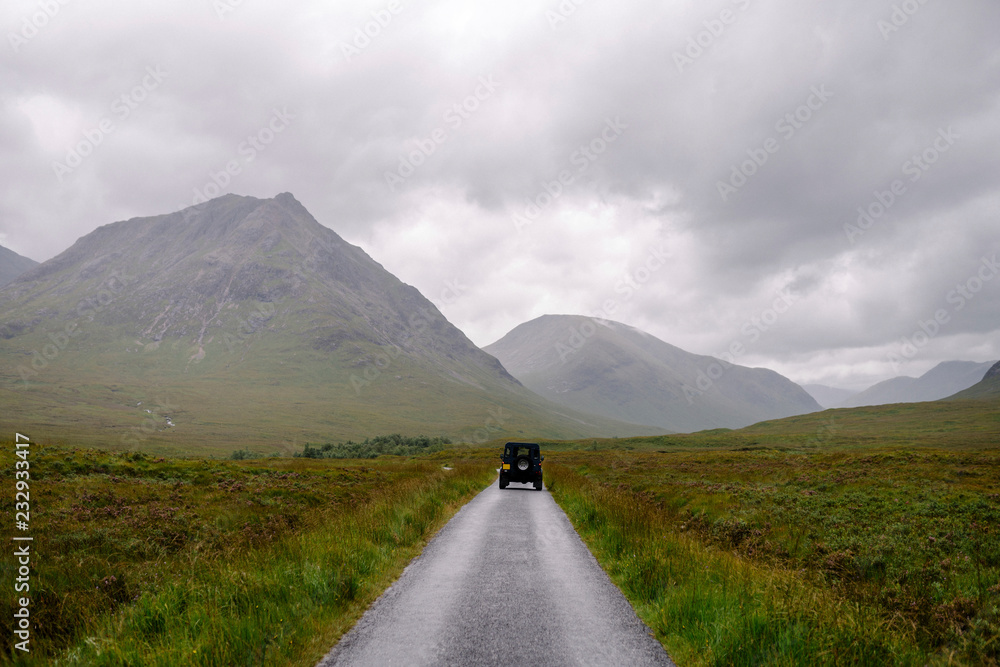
point(506, 582)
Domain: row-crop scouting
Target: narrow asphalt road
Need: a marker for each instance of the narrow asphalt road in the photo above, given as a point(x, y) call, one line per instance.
point(506, 582)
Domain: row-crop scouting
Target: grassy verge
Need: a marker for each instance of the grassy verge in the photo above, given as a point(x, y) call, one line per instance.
point(782, 557)
point(143, 561)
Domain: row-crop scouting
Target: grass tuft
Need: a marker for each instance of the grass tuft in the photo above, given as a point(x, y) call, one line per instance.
point(143, 561)
point(765, 557)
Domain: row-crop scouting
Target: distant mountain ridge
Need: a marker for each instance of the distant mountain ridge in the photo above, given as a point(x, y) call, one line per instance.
point(245, 320)
point(942, 381)
point(620, 372)
point(828, 397)
point(986, 389)
point(13, 265)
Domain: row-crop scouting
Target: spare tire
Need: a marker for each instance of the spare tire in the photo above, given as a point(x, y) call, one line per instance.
point(523, 463)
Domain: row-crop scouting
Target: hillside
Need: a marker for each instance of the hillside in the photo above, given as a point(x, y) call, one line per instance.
point(967, 421)
point(943, 380)
point(894, 390)
point(622, 373)
point(246, 322)
point(13, 265)
point(986, 389)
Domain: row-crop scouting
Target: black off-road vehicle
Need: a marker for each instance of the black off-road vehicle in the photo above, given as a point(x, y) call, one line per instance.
point(521, 462)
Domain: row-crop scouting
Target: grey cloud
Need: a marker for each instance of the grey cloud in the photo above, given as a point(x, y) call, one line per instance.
point(558, 86)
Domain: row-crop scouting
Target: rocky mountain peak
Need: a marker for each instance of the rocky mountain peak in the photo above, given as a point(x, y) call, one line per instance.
point(249, 313)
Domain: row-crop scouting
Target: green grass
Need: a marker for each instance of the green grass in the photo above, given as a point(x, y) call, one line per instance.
point(866, 536)
point(798, 556)
point(145, 561)
point(964, 424)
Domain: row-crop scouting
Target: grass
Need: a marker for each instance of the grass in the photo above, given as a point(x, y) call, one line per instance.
point(798, 556)
point(146, 561)
point(866, 536)
point(964, 424)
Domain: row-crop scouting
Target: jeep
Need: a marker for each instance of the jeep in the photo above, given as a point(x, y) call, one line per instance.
point(521, 462)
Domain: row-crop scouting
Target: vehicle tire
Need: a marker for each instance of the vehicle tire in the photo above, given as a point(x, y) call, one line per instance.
point(503, 481)
point(523, 463)
point(538, 485)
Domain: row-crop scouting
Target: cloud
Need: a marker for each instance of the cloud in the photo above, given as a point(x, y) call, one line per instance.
point(751, 134)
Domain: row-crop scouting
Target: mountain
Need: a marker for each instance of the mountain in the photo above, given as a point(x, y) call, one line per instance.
point(13, 265)
point(245, 321)
point(988, 388)
point(620, 372)
point(828, 397)
point(942, 381)
point(894, 390)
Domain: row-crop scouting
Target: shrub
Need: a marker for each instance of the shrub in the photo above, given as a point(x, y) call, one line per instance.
point(395, 445)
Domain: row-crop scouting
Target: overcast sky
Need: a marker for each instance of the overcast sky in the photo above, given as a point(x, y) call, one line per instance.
point(694, 169)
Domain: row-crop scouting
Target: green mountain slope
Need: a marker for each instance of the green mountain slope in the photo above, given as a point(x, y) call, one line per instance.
point(622, 373)
point(952, 423)
point(244, 322)
point(13, 265)
point(987, 389)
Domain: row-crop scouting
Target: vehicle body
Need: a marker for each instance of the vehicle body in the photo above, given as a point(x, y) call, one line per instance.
point(522, 463)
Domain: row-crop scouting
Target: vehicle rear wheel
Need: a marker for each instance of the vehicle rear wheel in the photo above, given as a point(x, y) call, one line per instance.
point(538, 485)
point(503, 481)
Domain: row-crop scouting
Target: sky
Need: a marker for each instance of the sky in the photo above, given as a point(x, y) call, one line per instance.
point(803, 185)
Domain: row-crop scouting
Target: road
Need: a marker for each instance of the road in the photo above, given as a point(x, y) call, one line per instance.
point(506, 582)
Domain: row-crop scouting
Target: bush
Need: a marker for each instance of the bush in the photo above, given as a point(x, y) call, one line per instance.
point(395, 445)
